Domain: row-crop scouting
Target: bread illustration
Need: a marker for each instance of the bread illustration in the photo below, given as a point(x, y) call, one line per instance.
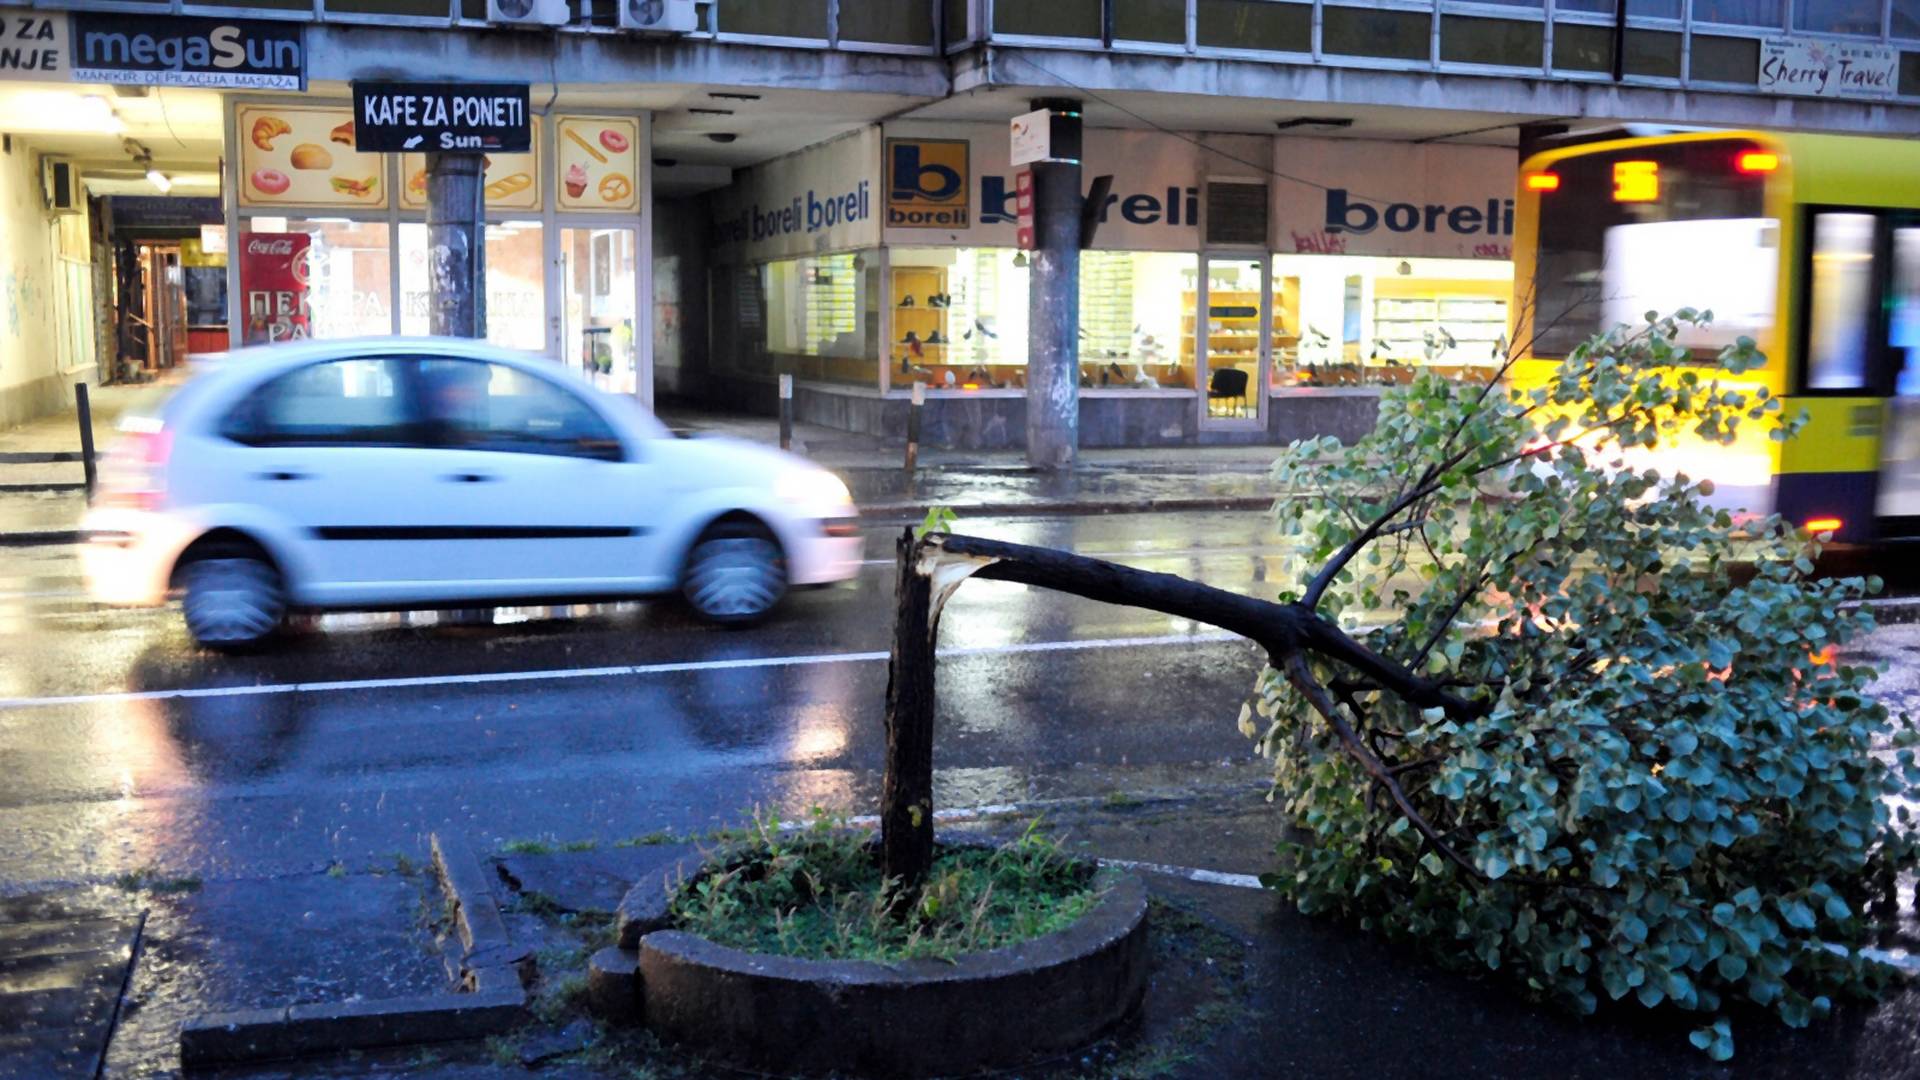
point(268, 128)
point(357, 188)
point(310, 156)
point(417, 183)
point(615, 188)
point(343, 133)
point(580, 141)
point(508, 186)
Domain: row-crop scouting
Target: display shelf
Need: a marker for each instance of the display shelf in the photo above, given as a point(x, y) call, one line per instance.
point(1406, 311)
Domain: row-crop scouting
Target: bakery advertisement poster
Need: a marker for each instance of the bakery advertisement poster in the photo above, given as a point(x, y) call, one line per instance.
point(598, 163)
point(299, 155)
point(274, 273)
point(512, 180)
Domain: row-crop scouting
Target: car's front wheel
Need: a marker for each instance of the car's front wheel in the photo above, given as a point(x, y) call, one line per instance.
point(735, 574)
point(232, 599)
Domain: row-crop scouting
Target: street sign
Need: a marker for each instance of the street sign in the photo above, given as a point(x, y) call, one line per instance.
point(1044, 135)
point(396, 117)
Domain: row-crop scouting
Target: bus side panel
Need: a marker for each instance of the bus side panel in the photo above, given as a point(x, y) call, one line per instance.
point(1830, 471)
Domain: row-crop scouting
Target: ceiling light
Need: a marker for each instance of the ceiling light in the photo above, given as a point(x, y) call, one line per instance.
point(64, 113)
point(722, 136)
point(159, 179)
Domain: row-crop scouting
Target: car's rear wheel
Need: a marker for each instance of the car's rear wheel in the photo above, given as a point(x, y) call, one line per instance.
point(233, 597)
point(735, 574)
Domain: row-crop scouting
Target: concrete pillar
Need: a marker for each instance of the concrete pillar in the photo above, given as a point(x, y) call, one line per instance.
point(456, 245)
point(1053, 310)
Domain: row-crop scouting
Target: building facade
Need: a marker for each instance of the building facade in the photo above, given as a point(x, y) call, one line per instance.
point(1298, 203)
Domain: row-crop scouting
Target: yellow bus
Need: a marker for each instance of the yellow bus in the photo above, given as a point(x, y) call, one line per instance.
point(1809, 244)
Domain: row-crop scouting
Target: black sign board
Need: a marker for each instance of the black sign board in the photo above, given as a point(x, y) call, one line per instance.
point(245, 54)
point(1236, 212)
point(396, 117)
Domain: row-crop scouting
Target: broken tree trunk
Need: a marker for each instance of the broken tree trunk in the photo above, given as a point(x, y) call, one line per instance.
point(906, 795)
point(931, 567)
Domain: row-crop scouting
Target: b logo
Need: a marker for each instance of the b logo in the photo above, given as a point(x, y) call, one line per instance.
point(927, 183)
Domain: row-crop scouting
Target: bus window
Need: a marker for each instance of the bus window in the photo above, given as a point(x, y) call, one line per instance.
point(1703, 240)
point(1903, 310)
point(1840, 309)
point(1899, 492)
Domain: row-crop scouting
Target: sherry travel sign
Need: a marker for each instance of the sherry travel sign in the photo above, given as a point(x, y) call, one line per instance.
point(394, 117)
point(1830, 69)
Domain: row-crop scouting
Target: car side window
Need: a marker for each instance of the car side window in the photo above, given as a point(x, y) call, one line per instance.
point(353, 402)
point(476, 405)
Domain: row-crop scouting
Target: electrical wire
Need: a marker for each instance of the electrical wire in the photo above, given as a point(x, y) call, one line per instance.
point(161, 97)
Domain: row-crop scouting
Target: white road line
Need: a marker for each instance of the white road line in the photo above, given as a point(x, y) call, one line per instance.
point(556, 674)
point(1191, 873)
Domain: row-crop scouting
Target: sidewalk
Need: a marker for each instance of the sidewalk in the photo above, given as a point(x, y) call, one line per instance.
point(41, 493)
point(983, 482)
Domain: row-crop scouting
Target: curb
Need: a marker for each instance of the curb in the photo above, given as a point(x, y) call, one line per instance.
point(491, 962)
point(1066, 507)
point(39, 457)
point(296, 1030)
point(42, 486)
point(493, 1004)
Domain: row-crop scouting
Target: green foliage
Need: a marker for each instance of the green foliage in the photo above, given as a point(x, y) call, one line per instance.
point(816, 891)
point(151, 880)
point(939, 519)
point(1664, 782)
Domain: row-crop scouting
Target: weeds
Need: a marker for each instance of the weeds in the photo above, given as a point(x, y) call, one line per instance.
point(148, 879)
point(816, 891)
point(336, 869)
point(560, 998)
point(526, 847)
point(652, 839)
point(404, 866)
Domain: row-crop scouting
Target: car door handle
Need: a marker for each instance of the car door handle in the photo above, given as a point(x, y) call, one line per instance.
point(281, 475)
point(469, 477)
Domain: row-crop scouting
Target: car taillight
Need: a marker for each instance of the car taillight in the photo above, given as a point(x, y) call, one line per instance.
point(134, 471)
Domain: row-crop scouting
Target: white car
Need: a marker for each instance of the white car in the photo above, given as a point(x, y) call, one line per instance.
point(393, 473)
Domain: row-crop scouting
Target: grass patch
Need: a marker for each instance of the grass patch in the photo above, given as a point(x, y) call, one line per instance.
point(817, 892)
point(526, 847)
point(336, 870)
point(148, 879)
point(560, 998)
point(652, 839)
point(1120, 800)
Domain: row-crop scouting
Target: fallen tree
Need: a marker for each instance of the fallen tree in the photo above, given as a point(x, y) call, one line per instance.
point(1578, 749)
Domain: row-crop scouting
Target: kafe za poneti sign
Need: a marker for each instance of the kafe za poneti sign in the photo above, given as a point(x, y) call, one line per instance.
point(1830, 69)
point(273, 287)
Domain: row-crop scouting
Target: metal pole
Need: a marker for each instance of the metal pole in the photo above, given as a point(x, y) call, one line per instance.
point(786, 412)
point(1053, 311)
point(913, 425)
point(86, 433)
point(456, 246)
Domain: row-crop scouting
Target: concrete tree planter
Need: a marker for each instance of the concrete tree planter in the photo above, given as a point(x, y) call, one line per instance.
point(781, 1014)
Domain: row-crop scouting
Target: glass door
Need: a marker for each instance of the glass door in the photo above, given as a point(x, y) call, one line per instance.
point(1231, 339)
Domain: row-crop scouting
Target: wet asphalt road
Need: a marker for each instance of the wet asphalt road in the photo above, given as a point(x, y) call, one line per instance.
point(125, 747)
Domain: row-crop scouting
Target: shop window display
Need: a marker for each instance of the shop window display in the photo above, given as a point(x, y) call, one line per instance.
point(818, 317)
point(959, 317)
point(597, 288)
point(349, 287)
point(1355, 320)
point(516, 284)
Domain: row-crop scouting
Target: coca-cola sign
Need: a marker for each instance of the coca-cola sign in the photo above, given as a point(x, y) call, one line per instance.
point(275, 302)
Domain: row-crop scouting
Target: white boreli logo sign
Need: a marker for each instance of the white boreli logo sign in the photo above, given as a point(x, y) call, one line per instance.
point(825, 198)
point(1362, 197)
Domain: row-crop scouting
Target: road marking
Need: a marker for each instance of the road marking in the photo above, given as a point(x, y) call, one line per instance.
point(1191, 873)
point(1273, 550)
point(618, 671)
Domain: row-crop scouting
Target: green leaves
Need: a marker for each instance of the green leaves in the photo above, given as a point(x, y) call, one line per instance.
point(1649, 732)
point(939, 519)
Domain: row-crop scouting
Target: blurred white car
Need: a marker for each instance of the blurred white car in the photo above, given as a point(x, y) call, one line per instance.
point(389, 473)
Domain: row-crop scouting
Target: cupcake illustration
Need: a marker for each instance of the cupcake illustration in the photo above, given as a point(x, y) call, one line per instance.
point(576, 181)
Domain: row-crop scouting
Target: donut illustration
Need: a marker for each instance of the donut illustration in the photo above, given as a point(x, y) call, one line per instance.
point(270, 181)
point(613, 141)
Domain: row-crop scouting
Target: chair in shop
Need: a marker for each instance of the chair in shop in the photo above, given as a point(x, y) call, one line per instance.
point(1228, 384)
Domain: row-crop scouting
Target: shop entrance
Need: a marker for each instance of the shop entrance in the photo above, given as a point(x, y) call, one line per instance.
point(1228, 334)
point(158, 313)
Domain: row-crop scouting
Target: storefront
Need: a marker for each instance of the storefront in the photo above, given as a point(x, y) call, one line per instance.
point(1238, 288)
point(330, 242)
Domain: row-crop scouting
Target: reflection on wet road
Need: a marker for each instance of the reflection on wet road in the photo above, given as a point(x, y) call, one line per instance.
point(127, 747)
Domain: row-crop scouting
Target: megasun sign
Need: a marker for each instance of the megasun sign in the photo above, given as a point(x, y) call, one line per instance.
point(125, 48)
